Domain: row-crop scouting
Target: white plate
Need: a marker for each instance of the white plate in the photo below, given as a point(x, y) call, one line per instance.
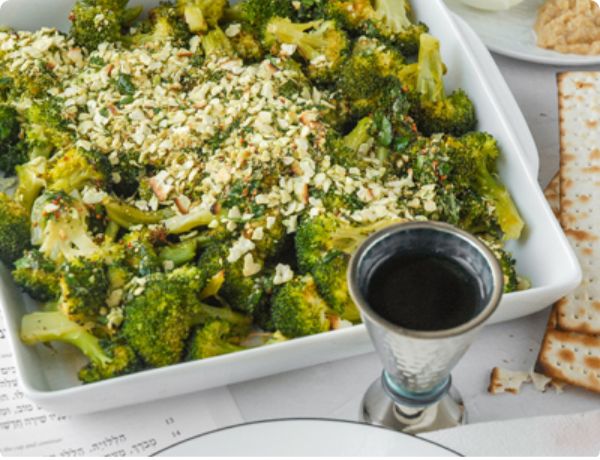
point(511, 33)
point(543, 253)
point(306, 438)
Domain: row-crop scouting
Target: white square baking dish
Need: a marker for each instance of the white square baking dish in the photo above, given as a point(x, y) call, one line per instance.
point(543, 253)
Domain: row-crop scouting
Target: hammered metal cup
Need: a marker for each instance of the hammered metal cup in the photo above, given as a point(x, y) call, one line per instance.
point(417, 364)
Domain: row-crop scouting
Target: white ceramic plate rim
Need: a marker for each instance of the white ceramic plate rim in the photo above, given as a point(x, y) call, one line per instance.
point(198, 439)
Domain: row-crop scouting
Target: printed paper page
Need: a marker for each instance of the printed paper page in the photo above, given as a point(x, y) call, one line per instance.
point(26, 429)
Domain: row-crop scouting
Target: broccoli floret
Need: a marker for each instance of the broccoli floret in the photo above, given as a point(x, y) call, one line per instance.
point(159, 320)
point(350, 151)
point(37, 276)
point(140, 254)
point(59, 227)
point(216, 43)
point(330, 277)
point(123, 361)
point(106, 359)
point(368, 83)
point(507, 263)
point(75, 168)
point(30, 181)
point(434, 111)
point(201, 15)
point(322, 44)
point(256, 13)
point(298, 310)
point(164, 24)
point(84, 287)
point(12, 149)
point(476, 161)
point(14, 228)
point(318, 236)
point(45, 129)
point(247, 45)
point(243, 293)
point(99, 21)
point(213, 339)
point(352, 14)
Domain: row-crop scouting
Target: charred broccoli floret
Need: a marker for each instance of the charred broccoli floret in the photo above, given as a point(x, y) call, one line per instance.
point(99, 21)
point(201, 15)
point(322, 44)
point(59, 227)
point(37, 276)
point(433, 110)
point(83, 287)
point(106, 359)
point(213, 339)
point(12, 149)
point(75, 168)
point(14, 228)
point(126, 175)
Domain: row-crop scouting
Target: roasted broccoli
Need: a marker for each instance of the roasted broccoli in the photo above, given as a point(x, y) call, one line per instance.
point(165, 23)
point(106, 359)
point(45, 129)
point(389, 20)
point(99, 21)
point(299, 310)
point(161, 312)
point(13, 151)
point(476, 160)
point(330, 277)
point(216, 43)
point(433, 110)
point(31, 181)
point(213, 339)
point(74, 168)
point(59, 227)
point(14, 228)
point(201, 15)
point(256, 13)
point(322, 44)
point(37, 276)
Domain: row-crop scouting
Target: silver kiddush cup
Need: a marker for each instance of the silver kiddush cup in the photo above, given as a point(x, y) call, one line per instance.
point(414, 393)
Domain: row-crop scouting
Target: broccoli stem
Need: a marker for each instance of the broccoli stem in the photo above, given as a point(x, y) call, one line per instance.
point(127, 216)
point(197, 217)
point(359, 135)
point(179, 253)
point(204, 313)
point(47, 326)
point(30, 185)
point(430, 84)
point(112, 230)
point(213, 286)
point(347, 238)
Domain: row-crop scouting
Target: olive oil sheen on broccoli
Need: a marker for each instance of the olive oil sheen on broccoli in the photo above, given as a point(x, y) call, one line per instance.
point(424, 292)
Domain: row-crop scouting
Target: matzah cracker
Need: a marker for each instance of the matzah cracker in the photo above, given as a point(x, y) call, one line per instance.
point(504, 380)
point(552, 194)
point(579, 107)
point(572, 358)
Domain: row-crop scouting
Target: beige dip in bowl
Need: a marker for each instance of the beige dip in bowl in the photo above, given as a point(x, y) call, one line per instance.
point(569, 26)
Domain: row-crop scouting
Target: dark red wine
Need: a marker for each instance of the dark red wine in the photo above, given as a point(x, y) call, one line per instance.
point(424, 292)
